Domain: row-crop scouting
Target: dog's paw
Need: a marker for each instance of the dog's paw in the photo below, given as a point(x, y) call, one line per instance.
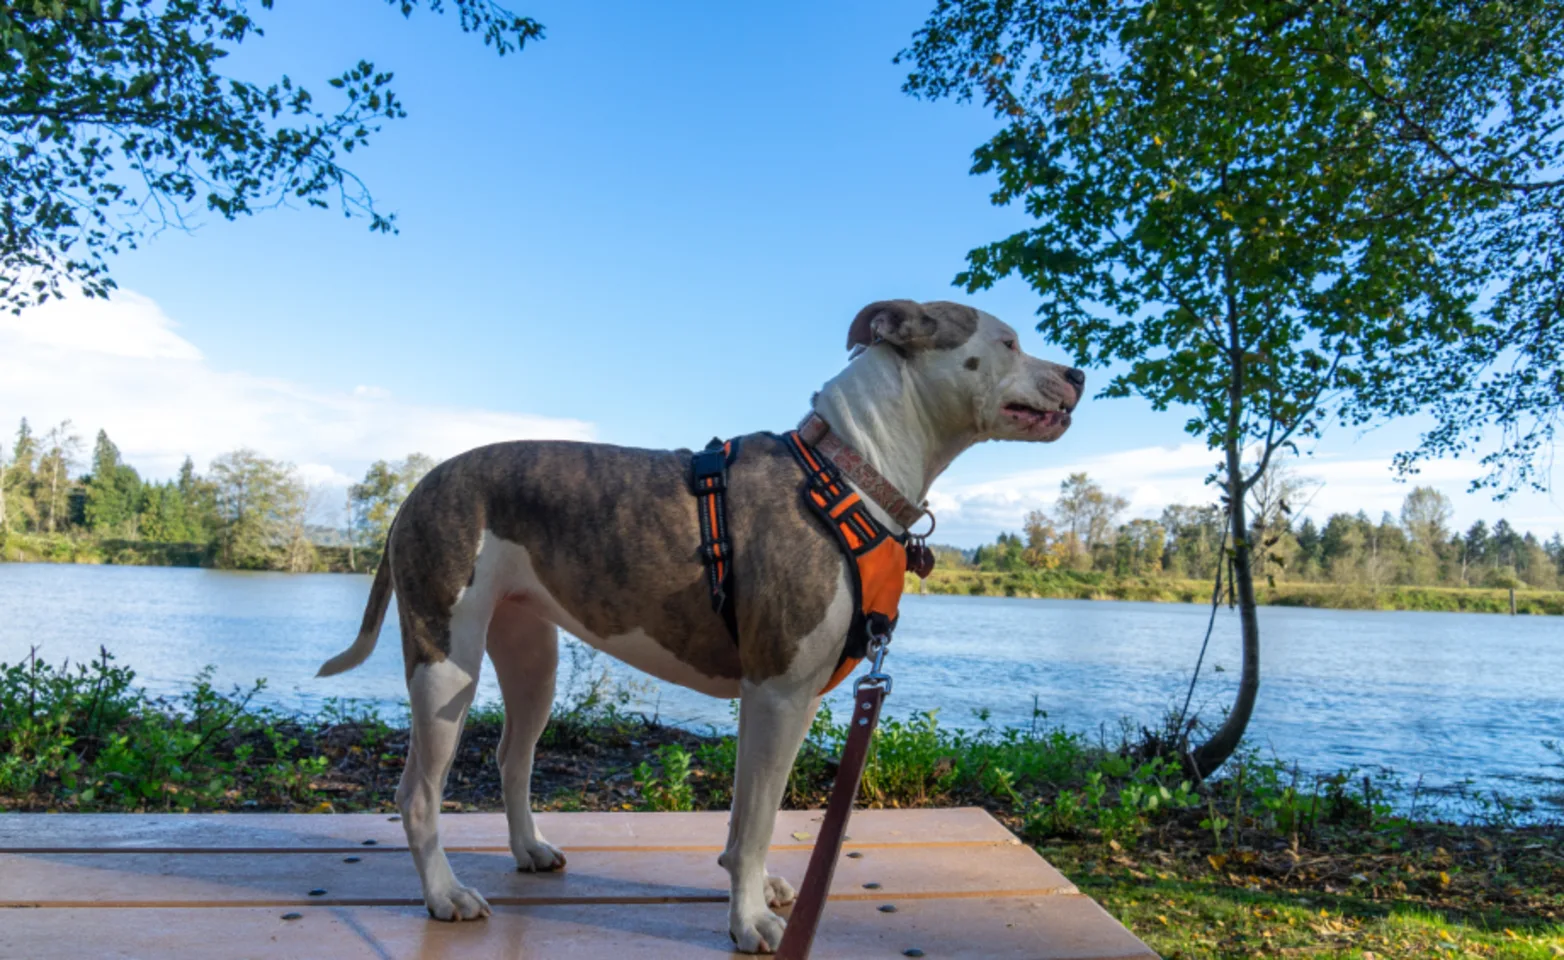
point(779, 893)
point(761, 933)
point(538, 857)
point(456, 903)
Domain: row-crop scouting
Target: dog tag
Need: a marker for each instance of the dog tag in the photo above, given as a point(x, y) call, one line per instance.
point(920, 559)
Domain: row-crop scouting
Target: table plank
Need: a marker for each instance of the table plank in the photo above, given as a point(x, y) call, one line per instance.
point(479, 831)
point(1062, 927)
point(217, 879)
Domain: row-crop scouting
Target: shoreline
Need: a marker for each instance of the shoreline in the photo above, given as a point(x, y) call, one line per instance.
point(1072, 585)
point(1025, 584)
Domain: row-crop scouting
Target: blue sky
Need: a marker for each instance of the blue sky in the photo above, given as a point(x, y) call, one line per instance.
point(652, 227)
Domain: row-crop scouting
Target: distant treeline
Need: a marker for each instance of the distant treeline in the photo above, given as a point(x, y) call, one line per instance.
point(247, 512)
point(1083, 532)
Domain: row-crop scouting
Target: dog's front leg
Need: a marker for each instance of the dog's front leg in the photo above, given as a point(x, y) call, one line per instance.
point(773, 718)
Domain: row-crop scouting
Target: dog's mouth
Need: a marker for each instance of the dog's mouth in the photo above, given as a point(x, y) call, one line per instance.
point(1032, 419)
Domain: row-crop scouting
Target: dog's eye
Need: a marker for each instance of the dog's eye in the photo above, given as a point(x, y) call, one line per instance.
point(1009, 344)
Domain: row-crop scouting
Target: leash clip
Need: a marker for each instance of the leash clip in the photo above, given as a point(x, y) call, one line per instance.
point(879, 643)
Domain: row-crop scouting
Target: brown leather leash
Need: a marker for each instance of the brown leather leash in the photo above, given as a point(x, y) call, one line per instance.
point(868, 696)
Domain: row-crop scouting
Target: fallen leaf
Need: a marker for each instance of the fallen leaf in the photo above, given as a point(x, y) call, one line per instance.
point(800, 835)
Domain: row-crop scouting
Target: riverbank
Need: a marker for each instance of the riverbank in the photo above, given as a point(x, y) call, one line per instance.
point(1091, 585)
point(64, 548)
point(1260, 861)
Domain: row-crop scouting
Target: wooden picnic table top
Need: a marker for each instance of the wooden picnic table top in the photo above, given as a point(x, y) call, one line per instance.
point(638, 884)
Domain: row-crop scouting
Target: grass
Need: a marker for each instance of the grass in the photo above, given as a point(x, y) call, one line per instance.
point(1263, 861)
point(1094, 585)
point(83, 548)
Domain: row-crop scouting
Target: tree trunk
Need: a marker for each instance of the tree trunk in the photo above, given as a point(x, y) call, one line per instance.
point(1213, 753)
point(54, 484)
point(1210, 755)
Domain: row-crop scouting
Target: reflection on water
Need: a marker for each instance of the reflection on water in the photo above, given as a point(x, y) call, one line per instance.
point(1439, 695)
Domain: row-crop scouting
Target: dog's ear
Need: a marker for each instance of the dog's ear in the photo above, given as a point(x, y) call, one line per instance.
point(902, 323)
point(908, 325)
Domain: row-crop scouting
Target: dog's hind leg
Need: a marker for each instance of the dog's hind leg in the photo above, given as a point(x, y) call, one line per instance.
point(440, 692)
point(773, 718)
point(525, 651)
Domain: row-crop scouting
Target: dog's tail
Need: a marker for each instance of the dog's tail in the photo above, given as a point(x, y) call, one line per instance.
point(369, 630)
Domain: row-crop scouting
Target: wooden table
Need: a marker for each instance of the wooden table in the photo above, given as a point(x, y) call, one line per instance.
point(639, 885)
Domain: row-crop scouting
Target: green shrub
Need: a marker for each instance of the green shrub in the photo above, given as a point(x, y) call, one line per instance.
point(671, 791)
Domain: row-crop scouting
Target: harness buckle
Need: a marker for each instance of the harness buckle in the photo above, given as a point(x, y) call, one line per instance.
point(710, 468)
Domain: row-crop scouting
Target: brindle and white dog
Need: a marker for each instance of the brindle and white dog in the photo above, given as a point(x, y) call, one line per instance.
point(500, 547)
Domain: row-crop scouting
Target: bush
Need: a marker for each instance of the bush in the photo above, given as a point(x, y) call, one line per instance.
point(87, 738)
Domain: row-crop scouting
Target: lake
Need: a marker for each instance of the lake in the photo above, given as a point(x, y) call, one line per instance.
point(1442, 696)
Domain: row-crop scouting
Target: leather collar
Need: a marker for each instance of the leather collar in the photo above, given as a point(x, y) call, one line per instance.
point(817, 433)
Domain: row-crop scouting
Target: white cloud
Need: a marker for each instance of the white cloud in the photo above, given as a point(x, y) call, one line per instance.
point(121, 366)
point(129, 325)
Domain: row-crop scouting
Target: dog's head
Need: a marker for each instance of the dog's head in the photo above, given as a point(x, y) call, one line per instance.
point(969, 366)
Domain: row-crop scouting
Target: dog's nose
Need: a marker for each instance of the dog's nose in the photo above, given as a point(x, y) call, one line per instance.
point(1077, 379)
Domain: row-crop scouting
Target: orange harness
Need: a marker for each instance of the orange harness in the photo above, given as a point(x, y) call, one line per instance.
point(879, 560)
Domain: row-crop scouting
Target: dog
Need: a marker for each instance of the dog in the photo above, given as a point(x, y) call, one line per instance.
point(499, 548)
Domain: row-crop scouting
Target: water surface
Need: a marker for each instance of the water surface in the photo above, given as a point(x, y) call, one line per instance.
point(1446, 697)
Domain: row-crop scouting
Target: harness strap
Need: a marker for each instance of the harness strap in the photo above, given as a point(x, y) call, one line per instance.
point(879, 561)
point(709, 477)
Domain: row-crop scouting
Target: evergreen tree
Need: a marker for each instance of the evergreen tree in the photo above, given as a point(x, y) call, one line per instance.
point(113, 491)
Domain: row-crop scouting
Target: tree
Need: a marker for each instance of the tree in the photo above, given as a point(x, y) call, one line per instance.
point(1194, 540)
point(1277, 490)
point(1087, 513)
point(113, 490)
point(1044, 547)
point(161, 515)
point(1308, 537)
point(374, 502)
point(1426, 515)
point(61, 448)
point(117, 121)
point(258, 505)
point(1475, 550)
point(1482, 110)
point(1217, 210)
point(1138, 548)
point(198, 503)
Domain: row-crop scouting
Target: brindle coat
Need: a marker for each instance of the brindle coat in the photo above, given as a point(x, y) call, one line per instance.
point(615, 540)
